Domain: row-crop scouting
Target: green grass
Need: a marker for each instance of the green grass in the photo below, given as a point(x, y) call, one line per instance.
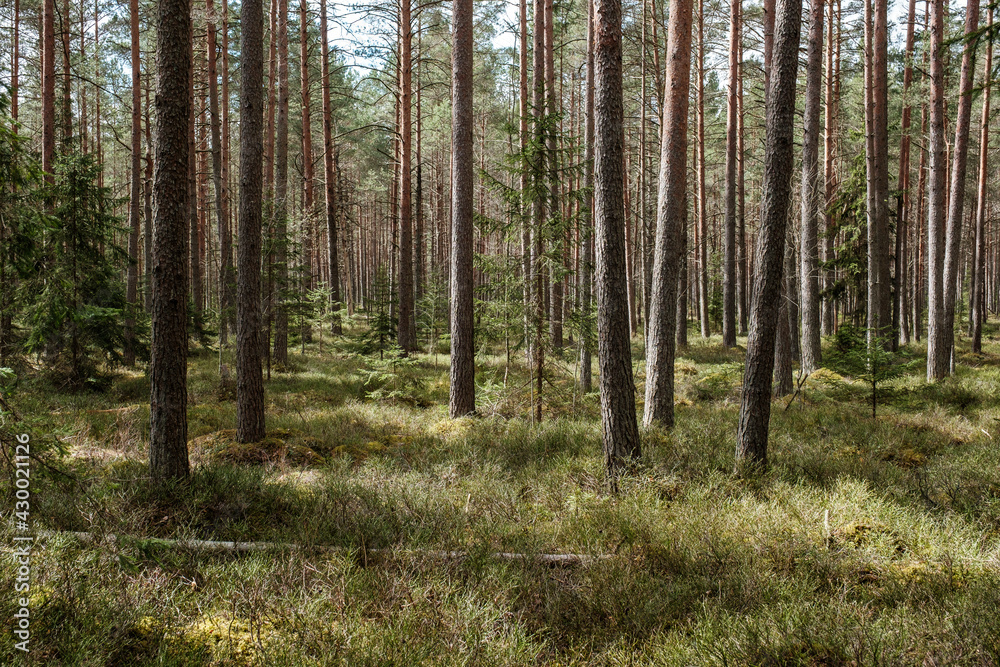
point(867, 542)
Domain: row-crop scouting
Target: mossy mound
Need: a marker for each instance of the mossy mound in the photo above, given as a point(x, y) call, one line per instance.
point(280, 446)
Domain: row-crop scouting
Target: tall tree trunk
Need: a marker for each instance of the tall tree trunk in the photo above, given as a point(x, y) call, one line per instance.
point(811, 193)
point(308, 198)
point(67, 105)
point(526, 187)
point(219, 184)
point(900, 310)
point(937, 339)
point(829, 177)
point(956, 205)
point(876, 154)
point(671, 216)
point(588, 213)
point(329, 175)
point(407, 336)
point(135, 180)
point(742, 279)
point(272, 99)
point(15, 63)
point(194, 259)
point(618, 420)
point(703, 294)
point(168, 361)
point(48, 88)
point(281, 191)
point(249, 341)
point(729, 224)
point(148, 208)
point(755, 405)
point(538, 207)
point(552, 162)
point(978, 291)
point(462, 398)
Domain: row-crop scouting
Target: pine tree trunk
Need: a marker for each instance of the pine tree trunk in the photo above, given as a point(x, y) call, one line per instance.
point(619, 428)
point(729, 224)
point(281, 191)
point(194, 262)
point(407, 336)
point(462, 398)
point(811, 193)
point(956, 205)
point(552, 162)
point(703, 293)
point(249, 342)
point(978, 290)
point(308, 197)
point(538, 206)
point(135, 180)
point(330, 176)
point(828, 305)
point(168, 362)
point(526, 195)
point(219, 184)
point(937, 340)
point(755, 405)
point(876, 151)
point(48, 46)
point(586, 370)
point(671, 216)
point(903, 206)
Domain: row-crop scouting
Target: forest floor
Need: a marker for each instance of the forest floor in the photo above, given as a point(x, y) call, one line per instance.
point(869, 541)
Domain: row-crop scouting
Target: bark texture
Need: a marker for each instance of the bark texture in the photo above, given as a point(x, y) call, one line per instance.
point(462, 398)
point(755, 405)
point(249, 341)
point(811, 194)
point(618, 419)
point(168, 456)
point(671, 217)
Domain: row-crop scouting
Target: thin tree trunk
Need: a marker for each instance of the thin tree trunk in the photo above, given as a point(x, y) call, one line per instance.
point(978, 291)
point(67, 105)
point(829, 132)
point(194, 260)
point(729, 224)
point(671, 216)
point(48, 101)
point(937, 340)
point(308, 176)
point(330, 176)
point(956, 205)
point(281, 192)
point(903, 206)
point(526, 194)
point(755, 405)
point(619, 428)
point(407, 336)
point(811, 192)
point(134, 214)
point(538, 193)
point(462, 398)
point(552, 162)
point(221, 192)
point(587, 232)
point(15, 63)
point(168, 362)
point(703, 294)
point(876, 130)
